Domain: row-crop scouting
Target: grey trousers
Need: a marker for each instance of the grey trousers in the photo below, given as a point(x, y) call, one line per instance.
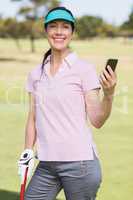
point(80, 180)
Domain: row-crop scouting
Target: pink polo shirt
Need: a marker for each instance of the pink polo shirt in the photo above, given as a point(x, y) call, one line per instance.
point(63, 133)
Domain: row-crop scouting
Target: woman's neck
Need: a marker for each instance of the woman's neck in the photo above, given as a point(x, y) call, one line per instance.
point(58, 56)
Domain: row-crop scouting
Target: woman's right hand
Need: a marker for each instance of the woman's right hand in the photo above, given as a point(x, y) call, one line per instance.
point(26, 160)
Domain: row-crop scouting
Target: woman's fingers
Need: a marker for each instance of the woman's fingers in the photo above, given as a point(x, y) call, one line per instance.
point(113, 76)
point(103, 80)
point(111, 72)
point(107, 75)
point(108, 78)
point(108, 81)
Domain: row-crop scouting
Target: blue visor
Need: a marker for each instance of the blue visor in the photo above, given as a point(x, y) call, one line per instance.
point(59, 14)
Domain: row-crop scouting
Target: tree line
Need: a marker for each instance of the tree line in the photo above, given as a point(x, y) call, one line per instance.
point(32, 24)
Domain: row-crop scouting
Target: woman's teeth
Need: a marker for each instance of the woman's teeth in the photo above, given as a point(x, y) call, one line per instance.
point(59, 39)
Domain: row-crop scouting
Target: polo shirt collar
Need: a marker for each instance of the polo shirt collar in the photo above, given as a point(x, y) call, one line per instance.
point(69, 59)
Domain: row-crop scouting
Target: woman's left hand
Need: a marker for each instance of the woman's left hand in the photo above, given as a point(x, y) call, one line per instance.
point(108, 81)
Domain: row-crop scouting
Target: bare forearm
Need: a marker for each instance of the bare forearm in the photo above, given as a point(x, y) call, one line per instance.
point(98, 109)
point(106, 107)
point(108, 81)
point(30, 135)
point(101, 111)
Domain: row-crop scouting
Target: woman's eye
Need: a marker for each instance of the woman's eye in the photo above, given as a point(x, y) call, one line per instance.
point(52, 26)
point(67, 27)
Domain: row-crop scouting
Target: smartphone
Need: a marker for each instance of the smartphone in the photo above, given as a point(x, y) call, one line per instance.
point(112, 63)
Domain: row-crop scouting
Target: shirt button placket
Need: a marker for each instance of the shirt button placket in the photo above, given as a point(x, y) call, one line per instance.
point(50, 83)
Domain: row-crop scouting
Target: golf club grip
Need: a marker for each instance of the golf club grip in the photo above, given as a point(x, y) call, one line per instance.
point(22, 191)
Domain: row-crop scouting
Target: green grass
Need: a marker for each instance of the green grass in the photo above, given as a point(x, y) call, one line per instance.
point(114, 140)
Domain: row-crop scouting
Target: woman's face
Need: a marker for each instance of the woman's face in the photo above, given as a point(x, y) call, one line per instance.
point(59, 34)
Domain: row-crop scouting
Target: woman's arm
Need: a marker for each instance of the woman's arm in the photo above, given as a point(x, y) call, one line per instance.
point(30, 131)
point(99, 110)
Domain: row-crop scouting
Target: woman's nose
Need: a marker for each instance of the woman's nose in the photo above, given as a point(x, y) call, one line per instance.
point(58, 30)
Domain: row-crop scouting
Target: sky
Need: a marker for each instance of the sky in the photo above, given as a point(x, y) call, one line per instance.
point(112, 11)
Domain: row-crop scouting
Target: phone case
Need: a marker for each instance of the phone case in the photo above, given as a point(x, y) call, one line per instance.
point(112, 63)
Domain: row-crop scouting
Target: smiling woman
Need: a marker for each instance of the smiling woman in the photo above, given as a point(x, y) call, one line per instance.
point(59, 34)
point(63, 91)
point(59, 24)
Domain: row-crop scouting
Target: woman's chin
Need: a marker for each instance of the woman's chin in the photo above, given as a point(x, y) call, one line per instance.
point(59, 48)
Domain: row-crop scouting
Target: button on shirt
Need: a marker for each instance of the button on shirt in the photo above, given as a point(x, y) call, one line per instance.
point(63, 133)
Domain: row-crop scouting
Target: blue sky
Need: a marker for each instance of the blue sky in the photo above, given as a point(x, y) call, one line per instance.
point(113, 11)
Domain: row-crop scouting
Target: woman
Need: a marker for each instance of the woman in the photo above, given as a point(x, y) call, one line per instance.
point(63, 91)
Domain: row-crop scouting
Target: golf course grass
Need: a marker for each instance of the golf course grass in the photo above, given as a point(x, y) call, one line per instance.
point(114, 140)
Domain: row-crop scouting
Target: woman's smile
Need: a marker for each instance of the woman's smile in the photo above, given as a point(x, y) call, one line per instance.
point(59, 39)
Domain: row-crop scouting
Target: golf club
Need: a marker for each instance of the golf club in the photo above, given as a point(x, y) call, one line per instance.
point(23, 185)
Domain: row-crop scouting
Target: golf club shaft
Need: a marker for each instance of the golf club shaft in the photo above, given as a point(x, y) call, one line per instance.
point(23, 185)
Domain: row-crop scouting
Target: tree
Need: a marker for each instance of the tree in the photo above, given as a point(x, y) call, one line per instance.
point(11, 29)
point(88, 26)
point(32, 14)
point(2, 28)
point(109, 30)
point(127, 27)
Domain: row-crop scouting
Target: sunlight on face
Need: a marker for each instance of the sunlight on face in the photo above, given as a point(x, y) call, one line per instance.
point(59, 34)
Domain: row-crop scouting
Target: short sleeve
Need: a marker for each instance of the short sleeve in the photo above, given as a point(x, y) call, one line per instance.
point(90, 78)
point(29, 83)
point(33, 76)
